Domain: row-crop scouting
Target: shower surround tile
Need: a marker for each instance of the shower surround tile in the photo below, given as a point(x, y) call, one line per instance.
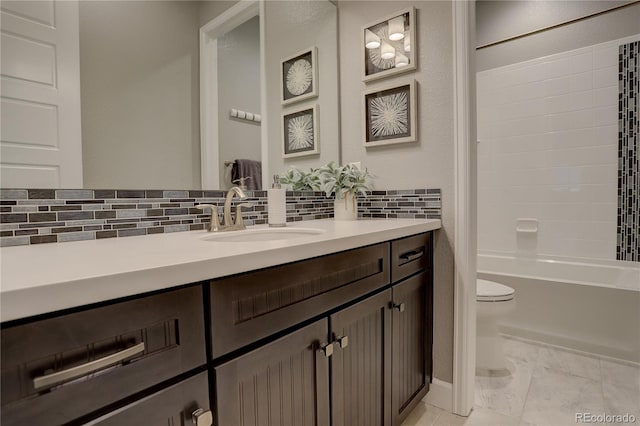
point(30, 218)
point(549, 131)
point(628, 243)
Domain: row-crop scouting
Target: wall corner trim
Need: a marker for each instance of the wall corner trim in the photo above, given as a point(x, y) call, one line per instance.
point(465, 208)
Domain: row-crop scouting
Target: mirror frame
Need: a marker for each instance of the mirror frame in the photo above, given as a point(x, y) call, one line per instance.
point(236, 15)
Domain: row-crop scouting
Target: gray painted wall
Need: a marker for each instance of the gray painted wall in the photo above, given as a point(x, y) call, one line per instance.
point(608, 26)
point(499, 20)
point(140, 94)
point(239, 88)
point(428, 163)
point(209, 9)
point(290, 28)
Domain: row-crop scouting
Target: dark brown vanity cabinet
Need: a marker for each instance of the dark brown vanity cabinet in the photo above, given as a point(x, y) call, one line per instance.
point(342, 339)
point(59, 369)
point(368, 355)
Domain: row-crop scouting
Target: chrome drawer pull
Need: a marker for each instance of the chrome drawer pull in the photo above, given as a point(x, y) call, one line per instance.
point(84, 369)
point(412, 255)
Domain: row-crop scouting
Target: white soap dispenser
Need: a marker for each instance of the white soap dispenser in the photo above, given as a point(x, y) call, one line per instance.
point(277, 204)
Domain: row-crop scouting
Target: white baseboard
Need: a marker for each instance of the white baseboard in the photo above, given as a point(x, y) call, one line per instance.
point(440, 394)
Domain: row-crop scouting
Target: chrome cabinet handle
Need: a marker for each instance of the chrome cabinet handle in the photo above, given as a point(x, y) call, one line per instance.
point(343, 341)
point(202, 417)
point(84, 369)
point(412, 255)
point(327, 349)
point(399, 306)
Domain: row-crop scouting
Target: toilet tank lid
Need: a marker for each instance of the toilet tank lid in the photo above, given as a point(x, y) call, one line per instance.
point(492, 289)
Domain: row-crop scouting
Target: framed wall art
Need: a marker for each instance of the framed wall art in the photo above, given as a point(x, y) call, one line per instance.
point(390, 115)
point(299, 76)
point(300, 132)
point(389, 45)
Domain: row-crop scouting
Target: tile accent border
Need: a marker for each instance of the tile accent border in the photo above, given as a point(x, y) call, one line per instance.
point(38, 216)
point(628, 238)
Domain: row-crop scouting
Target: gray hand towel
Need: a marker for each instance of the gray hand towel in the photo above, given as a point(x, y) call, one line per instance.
point(248, 169)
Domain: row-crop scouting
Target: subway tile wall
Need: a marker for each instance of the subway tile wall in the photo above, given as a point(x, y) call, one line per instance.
point(37, 216)
point(548, 133)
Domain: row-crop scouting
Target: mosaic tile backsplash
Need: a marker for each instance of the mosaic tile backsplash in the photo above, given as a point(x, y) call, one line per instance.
point(37, 216)
point(628, 243)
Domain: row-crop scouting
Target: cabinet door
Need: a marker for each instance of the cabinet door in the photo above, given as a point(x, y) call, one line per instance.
point(171, 406)
point(361, 363)
point(411, 369)
point(285, 382)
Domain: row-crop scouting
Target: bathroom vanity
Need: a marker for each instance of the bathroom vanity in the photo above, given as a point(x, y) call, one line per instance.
point(331, 327)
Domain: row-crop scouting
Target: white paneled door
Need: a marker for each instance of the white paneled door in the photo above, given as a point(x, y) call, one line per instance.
point(40, 133)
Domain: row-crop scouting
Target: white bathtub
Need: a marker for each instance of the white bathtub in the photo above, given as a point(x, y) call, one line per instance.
point(587, 305)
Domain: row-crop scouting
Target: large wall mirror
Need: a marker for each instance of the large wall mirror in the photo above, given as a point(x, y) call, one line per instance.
point(146, 110)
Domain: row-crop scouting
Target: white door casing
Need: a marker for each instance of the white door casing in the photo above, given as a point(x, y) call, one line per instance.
point(40, 131)
point(231, 18)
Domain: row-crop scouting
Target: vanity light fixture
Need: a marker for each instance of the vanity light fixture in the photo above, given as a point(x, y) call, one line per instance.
point(401, 60)
point(396, 28)
point(387, 51)
point(372, 41)
point(407, 41)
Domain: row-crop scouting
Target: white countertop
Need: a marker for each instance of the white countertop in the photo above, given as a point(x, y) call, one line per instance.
point(43, 278)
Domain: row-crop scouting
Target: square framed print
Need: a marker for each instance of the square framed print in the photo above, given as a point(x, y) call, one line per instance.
point(300, 132)
point(389, 45)
point(299, 76)
point(390, 115)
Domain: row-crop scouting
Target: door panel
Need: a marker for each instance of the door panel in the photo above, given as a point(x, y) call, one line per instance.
point(411, 334)
point(282, 383)
point(361, 371)
point(40, 95)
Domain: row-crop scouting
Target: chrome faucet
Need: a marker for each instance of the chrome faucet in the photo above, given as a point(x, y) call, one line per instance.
point(227, 224)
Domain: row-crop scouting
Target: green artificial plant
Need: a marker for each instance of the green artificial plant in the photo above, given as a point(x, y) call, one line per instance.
point(347, 180)
point(300, 180)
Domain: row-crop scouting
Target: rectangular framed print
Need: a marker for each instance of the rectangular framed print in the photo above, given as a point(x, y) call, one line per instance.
point(299, 76)
point(390, 114)
point(388, 45)
point(300, 132)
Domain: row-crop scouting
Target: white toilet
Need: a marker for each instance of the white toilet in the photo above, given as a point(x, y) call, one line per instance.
point(494, 302)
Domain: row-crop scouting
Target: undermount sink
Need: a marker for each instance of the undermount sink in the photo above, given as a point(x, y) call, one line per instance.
point(270, 234)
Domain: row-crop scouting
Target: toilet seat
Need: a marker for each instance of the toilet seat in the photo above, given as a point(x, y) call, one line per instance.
point(489, 291)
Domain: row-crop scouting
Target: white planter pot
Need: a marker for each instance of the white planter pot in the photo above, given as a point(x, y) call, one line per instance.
point(345, 208)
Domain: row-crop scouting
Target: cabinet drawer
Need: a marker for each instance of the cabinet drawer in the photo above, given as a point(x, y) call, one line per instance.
point(61, 368)
point(171, 406)
point(248, 307)
point(410, 255)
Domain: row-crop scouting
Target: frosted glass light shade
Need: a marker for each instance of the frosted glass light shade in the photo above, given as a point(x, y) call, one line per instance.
point(396, 28)
point(407, 41)
point(401, 60)
point(372, 41)
point(387, 51)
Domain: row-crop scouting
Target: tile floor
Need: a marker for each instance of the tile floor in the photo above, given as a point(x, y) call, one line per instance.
point(547, 387)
